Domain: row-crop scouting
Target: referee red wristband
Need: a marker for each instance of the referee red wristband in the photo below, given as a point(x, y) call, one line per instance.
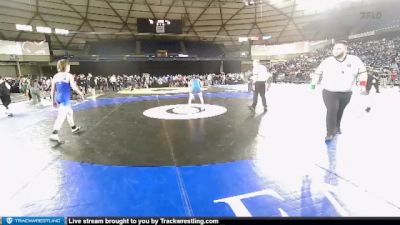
point(363, 83)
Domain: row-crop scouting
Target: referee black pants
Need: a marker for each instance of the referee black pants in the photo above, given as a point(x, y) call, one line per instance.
point(5, 100)
point(259, 90)
point(335, 103)
point(369, 87)
point(250, 87)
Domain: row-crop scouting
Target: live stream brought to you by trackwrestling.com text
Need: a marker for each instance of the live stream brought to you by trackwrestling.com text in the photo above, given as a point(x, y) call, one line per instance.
point(137, 220)
point(104, 221)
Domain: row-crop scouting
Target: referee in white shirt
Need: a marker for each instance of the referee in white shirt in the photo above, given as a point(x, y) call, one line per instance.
point(260, 77)
point(339, 74)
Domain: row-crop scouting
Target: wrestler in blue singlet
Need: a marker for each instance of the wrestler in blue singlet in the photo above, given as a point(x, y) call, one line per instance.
point(195, 86)
point(63, 89)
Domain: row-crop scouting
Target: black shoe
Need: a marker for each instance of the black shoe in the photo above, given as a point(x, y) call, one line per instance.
point(252, 109)
point(265, 109)
point(368, 109)
point(76, 130)
point(10, 115)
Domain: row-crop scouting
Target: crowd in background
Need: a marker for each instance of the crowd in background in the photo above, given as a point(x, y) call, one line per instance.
point(381, 56)
point(145, 80)
point(116, 83)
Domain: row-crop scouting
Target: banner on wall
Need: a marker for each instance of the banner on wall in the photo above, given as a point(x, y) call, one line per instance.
point(288, 49)
point(10, 48)
point(24, 48)
point(283, 49)
point(35, 48)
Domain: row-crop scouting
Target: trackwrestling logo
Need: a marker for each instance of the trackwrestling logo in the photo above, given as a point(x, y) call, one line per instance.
point(33, 220)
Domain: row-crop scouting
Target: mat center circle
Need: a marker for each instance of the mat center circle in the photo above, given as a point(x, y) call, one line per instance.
point(184, 111)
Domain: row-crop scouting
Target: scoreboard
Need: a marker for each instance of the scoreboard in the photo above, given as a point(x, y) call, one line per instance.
point(159, 26)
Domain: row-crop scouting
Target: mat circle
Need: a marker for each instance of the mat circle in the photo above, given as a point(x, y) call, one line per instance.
point(184, 111)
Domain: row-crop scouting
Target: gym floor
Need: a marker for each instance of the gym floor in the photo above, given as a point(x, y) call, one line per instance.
point(151, 154)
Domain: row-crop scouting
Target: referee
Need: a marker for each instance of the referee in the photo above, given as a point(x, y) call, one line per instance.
point(339, 73)
point(5, 95)
point(259, 78)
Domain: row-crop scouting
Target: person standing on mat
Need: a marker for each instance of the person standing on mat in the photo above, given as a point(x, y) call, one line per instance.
point(195, 88)
point(61, 86)
point(339, 74)
point(92, 85)
point(34, 89)
point(5, 95)
point(260, 77)
point(373, 80)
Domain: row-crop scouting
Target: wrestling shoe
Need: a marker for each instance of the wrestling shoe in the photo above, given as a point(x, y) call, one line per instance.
point(76, 130)
point(54, 137)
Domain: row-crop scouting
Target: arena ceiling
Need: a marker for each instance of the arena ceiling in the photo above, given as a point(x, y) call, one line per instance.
point(218, 21)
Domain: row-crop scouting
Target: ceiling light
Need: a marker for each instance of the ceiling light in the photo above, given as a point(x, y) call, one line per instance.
point(243, 39)
point(267, 37)
point(46, 30)
point(23, 27)
point(254, 38)
point(61, 31)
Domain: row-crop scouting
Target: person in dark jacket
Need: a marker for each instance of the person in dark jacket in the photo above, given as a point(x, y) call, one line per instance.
point(5, 95)
point(373, 80)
